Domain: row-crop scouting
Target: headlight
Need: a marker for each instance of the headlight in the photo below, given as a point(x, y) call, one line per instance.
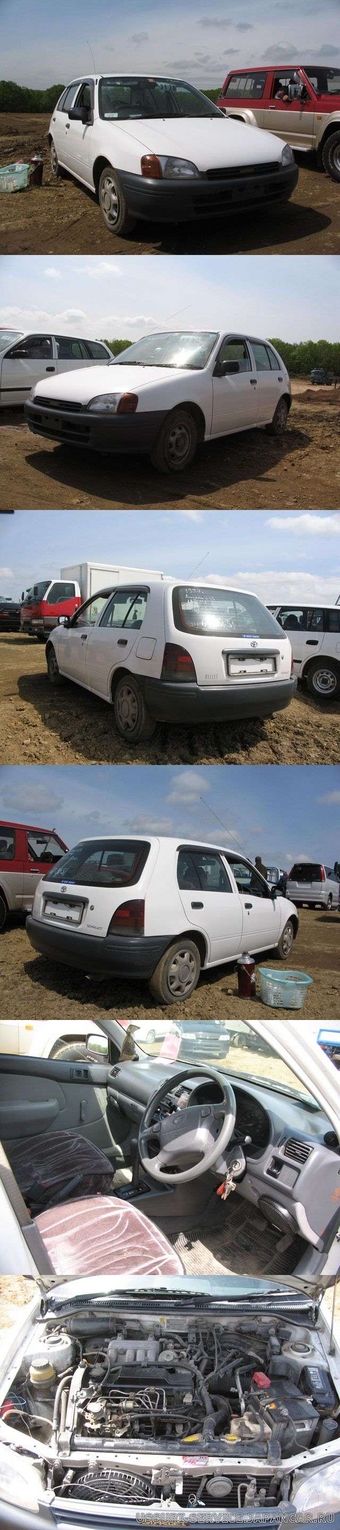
point(317, 1489)
point(162, 166)
point(20, 1480)
point(106, 403)
point(287, 155)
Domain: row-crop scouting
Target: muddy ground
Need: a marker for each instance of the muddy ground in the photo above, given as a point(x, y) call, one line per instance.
point(62, 218)
point(41, 726)
point(252, 470)
point(15, 1292)
point(31, 986)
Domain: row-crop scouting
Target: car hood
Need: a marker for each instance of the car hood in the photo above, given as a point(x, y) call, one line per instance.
point(198, 1290)
point(211, 143)
point(86, 383)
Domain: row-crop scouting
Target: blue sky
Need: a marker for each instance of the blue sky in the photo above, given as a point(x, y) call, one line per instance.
point(108, 298)
point(283, 813)
point(183, 37)
point(281, 555)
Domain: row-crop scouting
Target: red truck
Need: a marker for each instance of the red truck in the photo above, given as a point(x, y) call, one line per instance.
point(26, 854)
point(45, 602)
point(301, 103)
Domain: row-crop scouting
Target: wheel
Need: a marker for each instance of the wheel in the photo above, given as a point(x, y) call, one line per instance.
point(3, 912)
point(329, 903)
point(53, 670)
point(151, 1038)
point(177, 973)
point(131, 716)
point(323, 679)
point(72, 1051)
point(286, 940)
point(176, 443)
point(279, 422)
point(57, 170)
point(112, 202)
point(331, 156)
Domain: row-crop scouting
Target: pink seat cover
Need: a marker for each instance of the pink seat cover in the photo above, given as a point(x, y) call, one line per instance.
point(102, 1235)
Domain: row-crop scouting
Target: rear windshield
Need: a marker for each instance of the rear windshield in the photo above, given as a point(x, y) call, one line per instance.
point(221, 612)
point(102, 863)
point(307, 872)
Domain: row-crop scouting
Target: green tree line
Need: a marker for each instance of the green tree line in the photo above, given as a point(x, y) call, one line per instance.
point(19, 98)
point(300, 358)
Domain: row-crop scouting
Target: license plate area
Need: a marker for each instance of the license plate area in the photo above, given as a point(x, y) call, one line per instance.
point(249, 666)
point(68, 911)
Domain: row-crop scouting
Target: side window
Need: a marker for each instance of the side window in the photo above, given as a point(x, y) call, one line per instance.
point(84, 97)
point(68, 99)
point(203, 869)
point(89, 614)
point(69, 349)
point(7, 844)
point(187, 874)
point(333, 620)
point(247, 879)
point(275, 364)
point(246, 86)
point(315, 620)
point(293, 619)
point(59, 592)
point(235, 350)
point(36, 347)
point(43, 847)
point(95, 350)
point(286, 87)
point(261, 357)
point(127, 609)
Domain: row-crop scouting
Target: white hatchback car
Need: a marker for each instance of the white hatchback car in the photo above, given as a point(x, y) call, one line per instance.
point(158, 148)
point(27, 358)
point(314, 633)
point(157, 908)
point(165, 394)
point(171, 652)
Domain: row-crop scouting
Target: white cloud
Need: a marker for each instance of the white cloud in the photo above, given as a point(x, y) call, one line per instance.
point(188, 786)
point(193, 515)
point(273, 585)
point(330, 798)
point(306, 525)
point(6, 573)
point(31, 798)
point(103, 268)
point(51, 271)
point(143, 824)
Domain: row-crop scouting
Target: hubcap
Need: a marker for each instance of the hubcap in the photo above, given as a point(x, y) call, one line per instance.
point(336, 157)
point(109, 200)
point(179, 443)
point(127, 709)
point(281, 416)
point(53, 667)
point(182, 972)
point(325, 682)
point(54, 160)
point(287, 939)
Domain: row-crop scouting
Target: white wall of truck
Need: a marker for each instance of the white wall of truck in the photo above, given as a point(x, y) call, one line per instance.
point(95, 576)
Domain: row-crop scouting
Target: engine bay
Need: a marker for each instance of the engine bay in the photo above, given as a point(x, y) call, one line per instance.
point(190, 1410)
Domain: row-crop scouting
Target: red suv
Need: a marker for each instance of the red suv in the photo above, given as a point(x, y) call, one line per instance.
point(26, 854)
point(301, 103)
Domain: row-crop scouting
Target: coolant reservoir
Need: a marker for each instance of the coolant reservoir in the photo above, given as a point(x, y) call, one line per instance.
point(301, 1350)
point(56, 1350)
point(247, 1428)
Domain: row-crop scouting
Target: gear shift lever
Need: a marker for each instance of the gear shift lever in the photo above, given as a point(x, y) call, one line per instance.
point(135, 1163)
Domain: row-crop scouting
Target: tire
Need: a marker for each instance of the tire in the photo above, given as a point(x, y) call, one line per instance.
point(112, 203)
point(167, 985)
point(176, 444)
point(57, 170)
point(323, 680)
point(331, 156)
point(329, 903)
point(132, 718)
point(151, 1038)
point(3, 913)
point(285, 943)
point(53, 670)
point(279, 422)
point(72, 1051)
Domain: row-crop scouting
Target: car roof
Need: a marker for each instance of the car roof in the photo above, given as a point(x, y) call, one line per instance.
point(179, 841)
point(63, 334)
point(33, 828)
point(167, 581)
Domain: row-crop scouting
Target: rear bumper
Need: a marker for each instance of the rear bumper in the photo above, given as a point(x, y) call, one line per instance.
point(181, 201)
point(129, 956)
point(190, 704)
point(103, 433)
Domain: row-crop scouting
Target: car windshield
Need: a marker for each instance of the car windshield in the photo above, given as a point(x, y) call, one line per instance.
point(37, 593)
point(220, 612)
point(181, 348)
point(232, 1046)
point(131, 98)
point(102, 863)
point(325, 81)
point(8, 337)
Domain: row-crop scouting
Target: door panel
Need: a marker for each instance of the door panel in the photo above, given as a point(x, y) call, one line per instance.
point(235, 395)
point(77, 1090)
point(209, 903)
point(261, 922)
point(23, 368)
point(112, 642)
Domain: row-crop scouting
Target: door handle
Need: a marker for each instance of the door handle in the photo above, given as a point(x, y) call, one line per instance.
point(197, 905)
point(280, 379)
point(312, 642)
point(122, 642)
point(50, 369)
point(84, 637)
point(253, 382)
point(248, 905)
point(67, 126)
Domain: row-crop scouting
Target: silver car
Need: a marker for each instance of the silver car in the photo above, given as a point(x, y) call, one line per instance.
point(309, 882)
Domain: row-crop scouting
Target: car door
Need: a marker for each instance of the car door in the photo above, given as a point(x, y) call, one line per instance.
point(112, 641)
point(11, 865)
point(209, 901)
point(43, 850)
point(234, 387)
point(304, 626)
point(23, 365)
point(260, 912)
point(72, 641)
point(72, 353)
point(60, 122)
point(79, 133)
point(245, 89)
point(270, 380)
point(292, 119)
point(41, 1095)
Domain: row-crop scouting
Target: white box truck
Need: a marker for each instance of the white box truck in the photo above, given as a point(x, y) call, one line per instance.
point(95, 576)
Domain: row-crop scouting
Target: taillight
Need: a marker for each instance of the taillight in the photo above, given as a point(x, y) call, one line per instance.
point(323, 874)
point(177, 664)
point(292, 663)
point(151, 167)
point(128, 918)
point(127, 403)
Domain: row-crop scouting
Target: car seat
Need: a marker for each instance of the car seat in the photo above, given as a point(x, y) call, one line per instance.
point(59, 1166)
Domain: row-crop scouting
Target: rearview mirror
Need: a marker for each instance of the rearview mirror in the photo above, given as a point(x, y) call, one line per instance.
point(63, 621)
point(227, 368)
point(79, 114)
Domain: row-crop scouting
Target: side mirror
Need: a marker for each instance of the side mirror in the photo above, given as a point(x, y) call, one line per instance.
point(227, 368)
point(63, 621)
point(273, 893)
point(79, 114)
point(98, 1045)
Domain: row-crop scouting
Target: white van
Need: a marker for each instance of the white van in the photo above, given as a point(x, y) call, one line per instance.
point(310, 882)
point(27, 358)
point(314, 633)
point(157, 908)
point(158, 650)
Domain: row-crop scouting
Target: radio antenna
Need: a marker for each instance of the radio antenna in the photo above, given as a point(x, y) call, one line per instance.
point(92, 56)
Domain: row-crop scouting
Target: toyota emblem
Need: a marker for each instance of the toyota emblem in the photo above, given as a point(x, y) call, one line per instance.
point(253, 645)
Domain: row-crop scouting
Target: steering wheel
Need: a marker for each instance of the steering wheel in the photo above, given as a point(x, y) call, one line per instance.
point(205, 1128)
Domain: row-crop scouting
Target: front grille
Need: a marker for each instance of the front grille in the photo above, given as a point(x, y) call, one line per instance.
point(236, 171)
point(56, 403)
point(299, 1151)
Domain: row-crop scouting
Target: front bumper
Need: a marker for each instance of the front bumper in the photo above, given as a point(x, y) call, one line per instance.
point(103, 432)
point(181, 201)
point(128, 956)
point(191, 704)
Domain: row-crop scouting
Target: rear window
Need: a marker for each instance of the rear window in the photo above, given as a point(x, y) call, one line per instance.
point(7, 845)
point(218, 612)
point(246, 86)
point(307, 872)
point(102, 863)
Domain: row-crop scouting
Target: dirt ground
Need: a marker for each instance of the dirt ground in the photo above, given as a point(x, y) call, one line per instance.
point(15, 1292)
point(62, 218)
point(39, 722)
point(31, 986)
point(252, 470)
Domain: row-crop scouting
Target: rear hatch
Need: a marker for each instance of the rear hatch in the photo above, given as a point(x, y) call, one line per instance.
point(306, 881)
point(232, 639)
point(96, 878)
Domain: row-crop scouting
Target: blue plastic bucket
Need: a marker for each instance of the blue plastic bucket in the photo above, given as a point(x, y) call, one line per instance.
point(283, 990)
point(14, 177)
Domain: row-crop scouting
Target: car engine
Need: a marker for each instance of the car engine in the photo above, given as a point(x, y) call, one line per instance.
point(196, 1413)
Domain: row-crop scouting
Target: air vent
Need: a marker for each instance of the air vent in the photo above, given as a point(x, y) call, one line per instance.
point(297, 1150)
